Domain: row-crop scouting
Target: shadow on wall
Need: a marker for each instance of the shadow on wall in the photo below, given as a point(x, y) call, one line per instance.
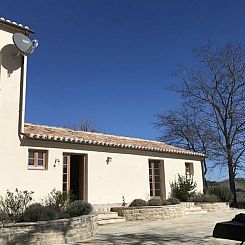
point(11, 60)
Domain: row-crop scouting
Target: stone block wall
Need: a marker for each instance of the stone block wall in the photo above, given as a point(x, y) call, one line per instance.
point(166, 212)
point(150, 213)
point(214, 207)
point(60, 231)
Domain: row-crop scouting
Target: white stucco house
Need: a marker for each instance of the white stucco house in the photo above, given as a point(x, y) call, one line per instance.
point(99, 168)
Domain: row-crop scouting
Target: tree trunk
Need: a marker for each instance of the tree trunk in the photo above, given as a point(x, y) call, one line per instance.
point(232, 184)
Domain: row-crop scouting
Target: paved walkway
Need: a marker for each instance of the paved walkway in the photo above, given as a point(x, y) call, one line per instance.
point(192, 229)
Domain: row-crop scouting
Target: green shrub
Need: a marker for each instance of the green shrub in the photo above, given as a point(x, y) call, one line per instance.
point(78, 208)
point(3, 216)
point(37, 212)
point(199, 197)
point(171, 201)
point(183, 188)
point(138, 203)
point(58, 200)
point(34, 205)
point(239, 190)
point(14, 203)
point(63, 215)
point(241, 200)
point(241, 204)
point(155, 202)
point(240, 196)
point(222, 192)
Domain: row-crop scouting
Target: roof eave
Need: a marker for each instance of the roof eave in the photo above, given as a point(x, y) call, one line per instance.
point(14, 25)
point(87, 142)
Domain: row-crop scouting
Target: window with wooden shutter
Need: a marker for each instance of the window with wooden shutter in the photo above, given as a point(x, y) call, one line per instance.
point(189, 169)
point(37, 159)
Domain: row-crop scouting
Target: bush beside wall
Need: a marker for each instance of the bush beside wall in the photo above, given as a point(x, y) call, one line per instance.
point(154, 202)
point(57, 205)
point(183, 188)
point(222, 192)
point(138, 203)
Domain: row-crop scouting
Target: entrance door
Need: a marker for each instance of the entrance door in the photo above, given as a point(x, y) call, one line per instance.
point(75, 175)
point(157, 179)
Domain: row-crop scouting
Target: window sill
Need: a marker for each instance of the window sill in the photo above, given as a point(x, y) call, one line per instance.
point(36, 168)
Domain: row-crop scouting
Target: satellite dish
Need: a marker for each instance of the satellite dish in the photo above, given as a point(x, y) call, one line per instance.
point(24, 44)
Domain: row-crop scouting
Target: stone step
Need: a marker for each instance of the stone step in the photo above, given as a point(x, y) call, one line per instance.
point(194, 208)
point(188, 204)
point(105, 221)
point(196, 212)
point(106, 215)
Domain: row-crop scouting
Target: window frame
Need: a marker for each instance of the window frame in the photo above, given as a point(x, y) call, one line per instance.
point(190, 166)
point(36, 159)
point(66, 173)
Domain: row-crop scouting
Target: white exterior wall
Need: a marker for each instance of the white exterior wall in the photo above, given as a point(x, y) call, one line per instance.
point(126, 175)
point(10, 81)
point(173, 167)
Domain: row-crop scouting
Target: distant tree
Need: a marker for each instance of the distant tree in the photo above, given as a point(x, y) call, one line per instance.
point(87, 126)
point(84, 125)
point(216, 89)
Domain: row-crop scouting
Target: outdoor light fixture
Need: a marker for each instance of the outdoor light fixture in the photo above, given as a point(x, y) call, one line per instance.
point(56, 161)
point(108, 160)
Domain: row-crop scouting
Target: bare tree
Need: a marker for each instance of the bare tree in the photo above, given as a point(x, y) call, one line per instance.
point(87, 126)
point(185, 129)
point(84, 125)
point(216, 88)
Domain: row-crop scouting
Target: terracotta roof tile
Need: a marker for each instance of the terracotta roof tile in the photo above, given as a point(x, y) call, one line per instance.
point(14, 24)
point(67, 135)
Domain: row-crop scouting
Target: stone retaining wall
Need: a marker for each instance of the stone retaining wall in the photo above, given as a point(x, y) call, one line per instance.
point(214, 207)
point(60, 231)
point(150, 213)
point(165, 212)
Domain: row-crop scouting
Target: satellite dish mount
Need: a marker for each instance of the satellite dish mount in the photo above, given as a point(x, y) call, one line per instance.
point(24, 45)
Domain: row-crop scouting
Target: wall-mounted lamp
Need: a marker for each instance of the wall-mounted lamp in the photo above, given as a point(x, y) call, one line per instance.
point(56, 161)
point(108, 160)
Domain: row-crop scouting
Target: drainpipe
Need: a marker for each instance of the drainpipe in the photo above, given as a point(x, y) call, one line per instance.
point(22, 97)
point(203, 177)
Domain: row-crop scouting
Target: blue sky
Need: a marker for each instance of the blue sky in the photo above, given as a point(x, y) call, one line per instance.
point(110, 61)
